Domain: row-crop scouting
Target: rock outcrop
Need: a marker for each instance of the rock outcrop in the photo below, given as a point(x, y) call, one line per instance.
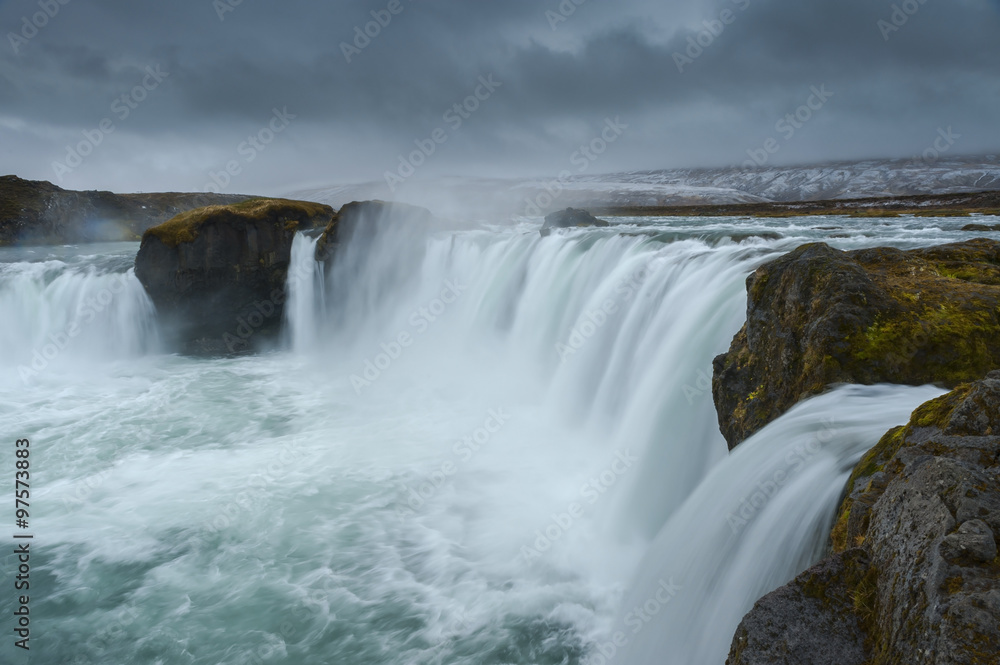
point(40, 213)
point(363, 221)
point(217, 274)
point(570, 218)
point(810, 620)
point(981, 227)
point(915, 577)
point(818, 316)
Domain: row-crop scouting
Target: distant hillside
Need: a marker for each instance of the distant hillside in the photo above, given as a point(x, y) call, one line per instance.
point(40, 213)
point(683, 187)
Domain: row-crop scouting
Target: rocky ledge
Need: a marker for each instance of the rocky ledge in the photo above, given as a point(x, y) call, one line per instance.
point(40, 213)
point(819, 316)
point(570, 218)
point(915, 576)
point(363, 221)
point(217, 275)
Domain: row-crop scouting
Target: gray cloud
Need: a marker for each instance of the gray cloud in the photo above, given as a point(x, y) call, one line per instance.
point(941, 68)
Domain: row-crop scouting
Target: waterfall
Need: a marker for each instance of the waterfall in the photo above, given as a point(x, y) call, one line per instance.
point(618, 329)
point(305, 290)
point(58, 316)
point(475, 445)
point(757, 520)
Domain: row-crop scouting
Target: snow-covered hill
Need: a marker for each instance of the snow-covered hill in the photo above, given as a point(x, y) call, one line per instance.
point(844, 180)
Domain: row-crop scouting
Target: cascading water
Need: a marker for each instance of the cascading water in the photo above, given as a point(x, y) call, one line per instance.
point(761, 517)
point(474, 438)
point(306, 304)
point(59, 314)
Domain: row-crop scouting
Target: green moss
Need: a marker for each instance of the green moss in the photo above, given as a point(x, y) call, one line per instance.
point(947, 342)
point(977, 273)
point(953, 584)
point(758, 285)
point(874, 460)
point(865, 597)
point(839, 534)
point(184, 227)
point(937, 412)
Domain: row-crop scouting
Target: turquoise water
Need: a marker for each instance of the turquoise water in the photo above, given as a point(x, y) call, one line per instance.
point(483, 494)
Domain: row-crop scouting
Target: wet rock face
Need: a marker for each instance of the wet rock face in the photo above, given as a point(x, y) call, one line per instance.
point(981, 227)
point(569, 218)
point(217, 275)
point(923, 509)
point(819, 316)
point(932, 528)
point(364, 221)
point(810, 620)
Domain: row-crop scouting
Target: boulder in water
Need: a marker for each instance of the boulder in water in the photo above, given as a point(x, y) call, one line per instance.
point(568, 218)
point(818, 316)
point(217, 274)
point(981, 227)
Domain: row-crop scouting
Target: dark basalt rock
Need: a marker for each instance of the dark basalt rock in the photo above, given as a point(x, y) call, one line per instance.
point(569, 218)
point(915, 577)
point(363, 221)
point(217, 275)
point(809, 620)
point(819, 316)
point(40, 213)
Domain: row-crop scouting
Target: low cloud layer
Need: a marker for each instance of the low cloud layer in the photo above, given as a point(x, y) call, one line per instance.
point(168, 95)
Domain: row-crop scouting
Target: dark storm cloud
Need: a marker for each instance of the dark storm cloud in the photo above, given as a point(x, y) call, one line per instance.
point(562, 74)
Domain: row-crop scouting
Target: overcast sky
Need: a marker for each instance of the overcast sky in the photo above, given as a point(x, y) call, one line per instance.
point(222, 69)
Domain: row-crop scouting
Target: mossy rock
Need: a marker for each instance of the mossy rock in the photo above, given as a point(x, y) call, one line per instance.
point(217, 275)
point(293, 215)
point(818, 317)
point(818, 618)
point(915, 575)
point(362, 222)
point(570, 218)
